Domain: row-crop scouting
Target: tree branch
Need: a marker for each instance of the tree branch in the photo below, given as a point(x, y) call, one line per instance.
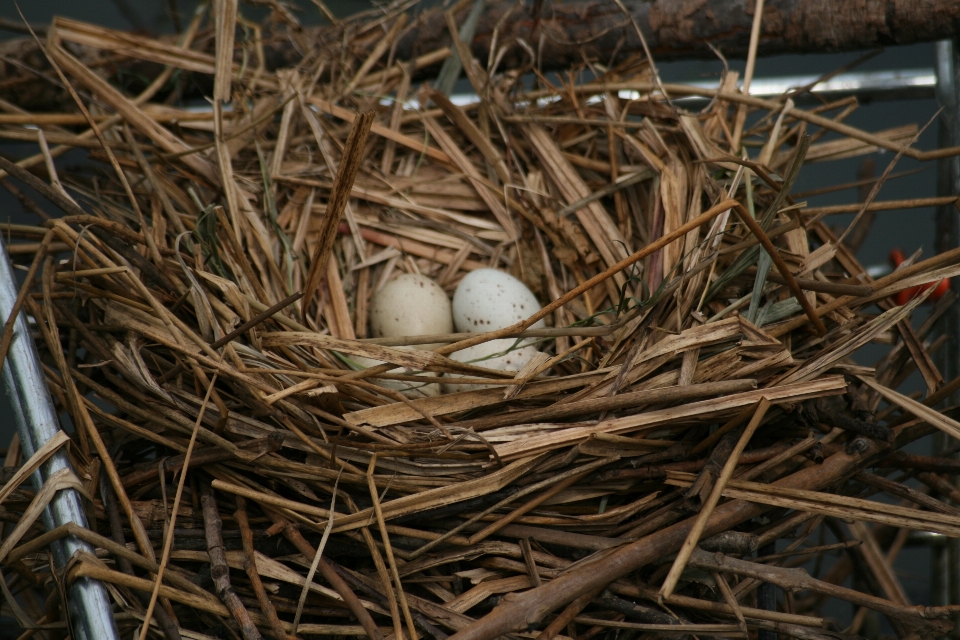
point(686, 29)
point(674, 30)
point(219, 570)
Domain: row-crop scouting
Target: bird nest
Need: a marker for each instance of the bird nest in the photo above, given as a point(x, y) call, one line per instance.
point(201, 304)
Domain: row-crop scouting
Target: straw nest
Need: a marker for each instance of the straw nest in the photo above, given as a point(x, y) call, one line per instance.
point(696, 389)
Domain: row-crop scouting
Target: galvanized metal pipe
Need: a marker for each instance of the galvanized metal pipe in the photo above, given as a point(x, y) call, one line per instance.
point(945, 569)
point(33, 409)
point(891, 84)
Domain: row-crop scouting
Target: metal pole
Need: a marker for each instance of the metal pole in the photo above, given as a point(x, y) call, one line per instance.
point(87, 600)
point(945, 572)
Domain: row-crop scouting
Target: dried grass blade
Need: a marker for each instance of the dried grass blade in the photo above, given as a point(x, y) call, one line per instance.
point(62, 479)
point(670, 582)
point(948, 425)
point(225, 12)
point(385, 536)
point(316, 558)
point(782, 268)
point(168, 539)
point(38, 458)
point(420, 146)
point(535, 444)
point(340, 195)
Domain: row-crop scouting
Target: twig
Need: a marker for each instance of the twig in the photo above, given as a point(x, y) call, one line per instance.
point(170, 629)
point(748, 72)
point(219, 571)
point(21, 296)
point(381, 523)
point(340, 195)
point(932, 619)
point(250, 567)
point(239, 331)
point(782, 268)
point(168, 538)
point(353, 603)
point(566, 616)
point(699, 525)
point(317, 557)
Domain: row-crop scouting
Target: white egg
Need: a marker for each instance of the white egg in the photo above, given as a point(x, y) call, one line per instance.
point(500, 355)
point(410, 305)
point(488, 299)
point(426, 389)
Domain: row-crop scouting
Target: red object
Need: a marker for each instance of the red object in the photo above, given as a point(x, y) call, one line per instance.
point(903, 297)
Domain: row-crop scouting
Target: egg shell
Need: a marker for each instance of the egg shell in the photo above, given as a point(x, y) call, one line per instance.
point(489, 299)
point(500, 355)
point(410, 305)
point(413, 390)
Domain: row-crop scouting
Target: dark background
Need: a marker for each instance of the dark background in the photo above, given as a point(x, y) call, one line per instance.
point(908, 230)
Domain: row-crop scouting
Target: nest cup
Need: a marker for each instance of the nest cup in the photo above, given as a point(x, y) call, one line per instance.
point(202, 301)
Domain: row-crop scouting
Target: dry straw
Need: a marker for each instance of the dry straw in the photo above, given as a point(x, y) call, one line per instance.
point(202, 300)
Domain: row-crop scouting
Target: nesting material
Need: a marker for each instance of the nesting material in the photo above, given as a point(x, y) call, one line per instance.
point(691, 384)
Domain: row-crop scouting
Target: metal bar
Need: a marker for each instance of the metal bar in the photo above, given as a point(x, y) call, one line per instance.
point(905, 84)
point(945, 581)
point(32, 406)
point(897, 84)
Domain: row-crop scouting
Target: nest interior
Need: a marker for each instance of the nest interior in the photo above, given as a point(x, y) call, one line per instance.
point(202, 303)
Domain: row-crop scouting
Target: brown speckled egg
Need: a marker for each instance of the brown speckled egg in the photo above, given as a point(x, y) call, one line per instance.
point(488, 299)
point(410, 305)
point(500, 355)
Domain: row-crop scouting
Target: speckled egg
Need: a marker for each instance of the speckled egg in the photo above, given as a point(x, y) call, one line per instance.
point(500, 355)
point(488, 299)
point(410, 305)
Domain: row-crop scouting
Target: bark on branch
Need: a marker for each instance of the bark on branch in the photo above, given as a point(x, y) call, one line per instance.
point(565, 32)
point(219, 570)
point(685, 28)
point(932, 619)
point(519, 611)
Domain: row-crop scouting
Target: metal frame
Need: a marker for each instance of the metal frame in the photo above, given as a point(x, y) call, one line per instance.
point(899, 84)
point(945, 569)
point(88, 602)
